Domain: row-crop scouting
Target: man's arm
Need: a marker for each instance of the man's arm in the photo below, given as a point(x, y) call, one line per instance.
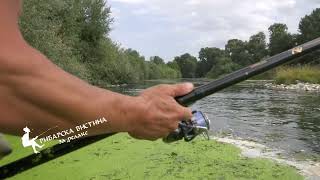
point(36, 93)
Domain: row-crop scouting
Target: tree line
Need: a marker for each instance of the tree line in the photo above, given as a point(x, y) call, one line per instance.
point(74, 34)
point(213, 62)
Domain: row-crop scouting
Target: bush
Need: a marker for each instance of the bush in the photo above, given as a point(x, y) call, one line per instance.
point(292, 75)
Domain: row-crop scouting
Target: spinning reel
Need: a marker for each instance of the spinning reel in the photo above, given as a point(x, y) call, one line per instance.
point(188, 130)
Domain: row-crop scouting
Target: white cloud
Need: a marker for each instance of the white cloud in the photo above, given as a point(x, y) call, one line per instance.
point(200, 23)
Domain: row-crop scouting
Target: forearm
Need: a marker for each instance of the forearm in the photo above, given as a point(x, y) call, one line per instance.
point(37, 94)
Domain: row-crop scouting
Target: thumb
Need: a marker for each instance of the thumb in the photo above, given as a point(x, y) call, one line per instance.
point(182, 89)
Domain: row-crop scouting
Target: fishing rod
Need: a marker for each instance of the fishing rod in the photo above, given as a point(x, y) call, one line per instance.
point(47, 131)
point(187, 130)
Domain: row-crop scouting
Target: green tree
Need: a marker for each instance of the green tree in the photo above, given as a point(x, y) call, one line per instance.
point(280, 39)
point(155, 72)
point(162, 71)
point(157, 60)
point(208, 57)
point(309, 28)
point(95, 25)
point(239, 53)
point(74, 35)
point(257, 47)
point(174, 65)
point(44, 23)
point(224, 66)
point(187, 64)
point(137, 65)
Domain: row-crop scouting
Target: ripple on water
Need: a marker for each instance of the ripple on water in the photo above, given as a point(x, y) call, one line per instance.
point(284, 120)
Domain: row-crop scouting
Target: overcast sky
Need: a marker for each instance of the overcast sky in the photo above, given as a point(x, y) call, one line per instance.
point(169, 28)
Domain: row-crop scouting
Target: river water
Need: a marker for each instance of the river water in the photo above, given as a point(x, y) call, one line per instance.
point(288, 121)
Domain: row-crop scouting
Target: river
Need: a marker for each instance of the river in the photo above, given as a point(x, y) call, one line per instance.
point(287, 121)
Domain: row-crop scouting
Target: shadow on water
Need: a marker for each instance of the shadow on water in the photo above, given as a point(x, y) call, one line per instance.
point(286, 120)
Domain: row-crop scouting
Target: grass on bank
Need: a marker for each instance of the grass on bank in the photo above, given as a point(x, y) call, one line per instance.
point(290, 75)
point(121, 157)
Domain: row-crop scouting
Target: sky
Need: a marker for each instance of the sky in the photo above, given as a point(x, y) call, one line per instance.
point(169, 28)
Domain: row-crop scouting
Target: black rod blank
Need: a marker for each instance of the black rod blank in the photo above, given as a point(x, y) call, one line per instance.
point(56, 151)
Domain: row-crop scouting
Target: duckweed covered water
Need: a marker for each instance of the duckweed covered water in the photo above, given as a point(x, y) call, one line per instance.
point(121, 157)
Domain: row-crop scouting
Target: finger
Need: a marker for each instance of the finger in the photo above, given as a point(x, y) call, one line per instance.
point(180, 89)
point(187, 113)
point(173, 126)
point(136, 136)
point(183, 114)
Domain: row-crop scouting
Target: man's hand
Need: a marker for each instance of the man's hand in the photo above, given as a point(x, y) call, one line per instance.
point(159, 113)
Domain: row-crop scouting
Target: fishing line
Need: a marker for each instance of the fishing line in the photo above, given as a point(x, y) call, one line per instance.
point(48, 130)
